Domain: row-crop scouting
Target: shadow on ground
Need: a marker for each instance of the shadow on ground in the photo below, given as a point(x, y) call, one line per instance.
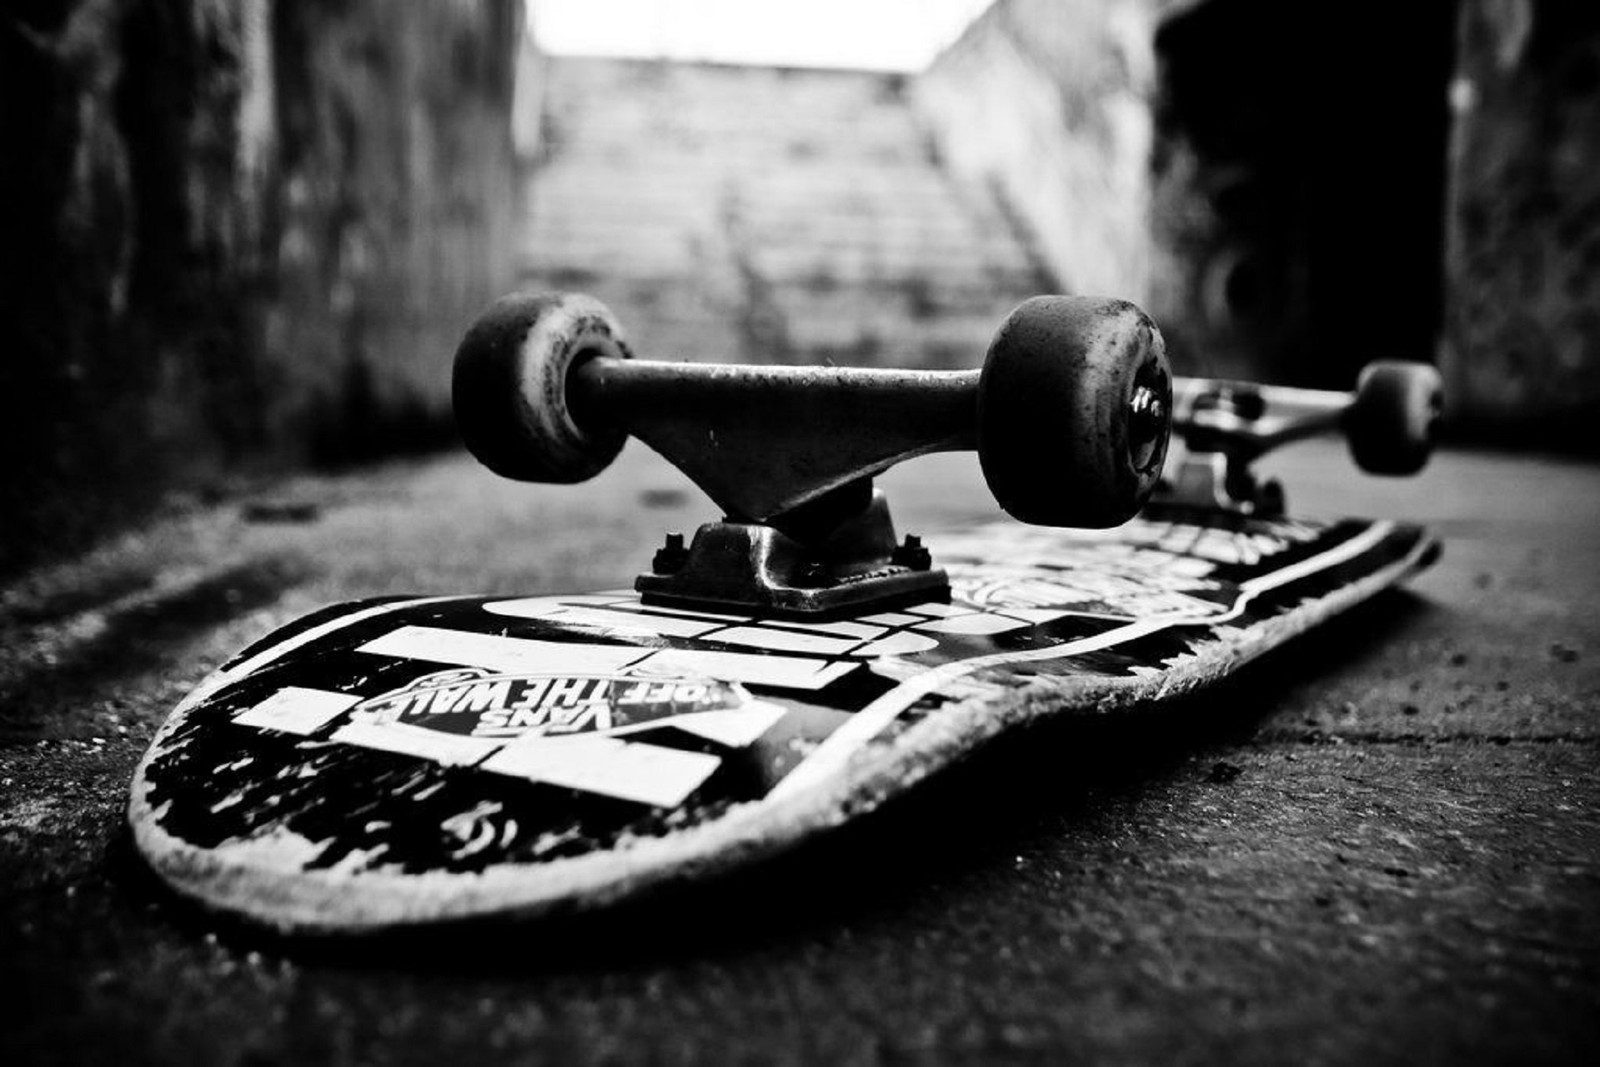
point(60, 656)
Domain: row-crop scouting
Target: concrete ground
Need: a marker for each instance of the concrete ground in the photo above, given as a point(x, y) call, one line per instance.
point(1380, 845)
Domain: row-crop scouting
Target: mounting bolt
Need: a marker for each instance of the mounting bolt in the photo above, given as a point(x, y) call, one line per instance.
point(670, 557)
point(811, 575)
point(912, 555)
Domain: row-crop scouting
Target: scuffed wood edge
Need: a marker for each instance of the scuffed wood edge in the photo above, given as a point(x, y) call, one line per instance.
point(371, 902)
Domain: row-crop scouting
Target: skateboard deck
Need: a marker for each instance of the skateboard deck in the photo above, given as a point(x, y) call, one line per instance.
point(400, 762)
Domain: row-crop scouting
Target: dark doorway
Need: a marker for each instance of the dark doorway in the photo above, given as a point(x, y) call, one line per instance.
point(1299, 180)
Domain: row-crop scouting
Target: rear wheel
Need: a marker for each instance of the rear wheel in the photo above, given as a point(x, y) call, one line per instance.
point(510, 387)
point(1074, 411)
point(1390, 424)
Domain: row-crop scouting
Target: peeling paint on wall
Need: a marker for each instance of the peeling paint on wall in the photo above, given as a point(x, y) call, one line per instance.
point(236, 234)
point(1522, 334)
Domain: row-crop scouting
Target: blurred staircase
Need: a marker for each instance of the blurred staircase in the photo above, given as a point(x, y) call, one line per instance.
point(766, 215)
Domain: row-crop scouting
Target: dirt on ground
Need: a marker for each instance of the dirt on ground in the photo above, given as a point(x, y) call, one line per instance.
point(1381, 844)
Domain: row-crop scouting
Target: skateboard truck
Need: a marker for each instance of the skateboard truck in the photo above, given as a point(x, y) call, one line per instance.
point(1225, 426)
point(1069, 417)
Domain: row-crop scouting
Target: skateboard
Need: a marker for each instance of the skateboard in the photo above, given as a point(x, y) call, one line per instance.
point(397, 763)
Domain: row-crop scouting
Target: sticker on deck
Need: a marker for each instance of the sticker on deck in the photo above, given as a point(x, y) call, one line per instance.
point(480, 704)
point(602, 693)
point(448, 738)
point(530, 725)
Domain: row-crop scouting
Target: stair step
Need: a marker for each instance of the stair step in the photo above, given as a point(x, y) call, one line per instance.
point(754, 213)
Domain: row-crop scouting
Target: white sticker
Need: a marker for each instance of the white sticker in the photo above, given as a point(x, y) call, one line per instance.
point(522, 655)
point(1034, 616)
point(784, 672)
point(842, 628)
point(418, 741)
point(605, 615)
point(736, 729)
point(507, 655)
point(940, 611)
point(639, 621)
point(297, 710)
point(903, 643)
point(972, 625)
point(648, 774)
point(543, 607)
point(786, 640)
point(715, 616)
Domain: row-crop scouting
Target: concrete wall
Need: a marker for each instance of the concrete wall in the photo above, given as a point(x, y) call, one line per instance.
point(1294, 190)
point(1521, 349)
point(397, 193)
point(235, 232)
point(1050, 102)
point(1266, 178)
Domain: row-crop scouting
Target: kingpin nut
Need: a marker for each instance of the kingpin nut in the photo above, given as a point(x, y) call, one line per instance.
point(670, 557)
point(912, 555)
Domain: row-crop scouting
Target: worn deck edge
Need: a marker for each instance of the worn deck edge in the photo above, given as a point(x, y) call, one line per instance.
point(328, 902)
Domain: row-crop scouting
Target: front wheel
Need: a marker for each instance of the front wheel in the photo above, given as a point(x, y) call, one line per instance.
point(1074, 411)
point(510, 387)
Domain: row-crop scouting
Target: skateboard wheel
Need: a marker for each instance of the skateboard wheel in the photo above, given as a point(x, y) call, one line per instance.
point(1074, 410)
point(1390, 424)
point(510, 387)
